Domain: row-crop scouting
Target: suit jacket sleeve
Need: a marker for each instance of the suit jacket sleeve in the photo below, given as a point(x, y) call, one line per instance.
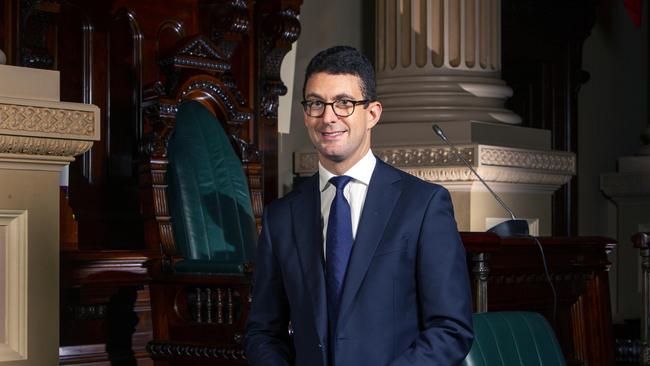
point(443, 290)
point(267, 338)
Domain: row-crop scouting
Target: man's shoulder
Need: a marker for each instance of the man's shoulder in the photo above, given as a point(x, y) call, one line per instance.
point(308, 185)
point(410, 181)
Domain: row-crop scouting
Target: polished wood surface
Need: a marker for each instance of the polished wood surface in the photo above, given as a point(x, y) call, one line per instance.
point(105, 308)
point(578, 268)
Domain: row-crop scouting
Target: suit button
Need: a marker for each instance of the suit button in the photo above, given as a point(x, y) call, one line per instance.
point(320, 345)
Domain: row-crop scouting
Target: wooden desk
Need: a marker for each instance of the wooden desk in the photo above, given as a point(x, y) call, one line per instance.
point(509, 275)
point(105, 308)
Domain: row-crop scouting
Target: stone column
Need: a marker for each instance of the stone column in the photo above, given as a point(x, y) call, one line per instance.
point(629, 189)
point(440, 60)
point(39, 136)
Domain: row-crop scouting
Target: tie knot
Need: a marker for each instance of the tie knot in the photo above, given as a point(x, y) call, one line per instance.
point(340, 181)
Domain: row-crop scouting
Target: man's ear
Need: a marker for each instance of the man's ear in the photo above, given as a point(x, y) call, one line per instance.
point(373, 114)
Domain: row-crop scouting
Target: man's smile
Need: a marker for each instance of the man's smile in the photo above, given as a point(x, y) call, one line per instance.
point(332, 134)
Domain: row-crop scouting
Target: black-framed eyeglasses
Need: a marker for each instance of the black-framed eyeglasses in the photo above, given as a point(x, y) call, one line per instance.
point(341, 107)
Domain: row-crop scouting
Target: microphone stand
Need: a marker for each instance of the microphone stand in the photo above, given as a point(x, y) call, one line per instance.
point(508, 228)
point(512, 227)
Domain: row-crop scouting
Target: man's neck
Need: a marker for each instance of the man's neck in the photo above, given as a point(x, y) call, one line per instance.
point(339, 168)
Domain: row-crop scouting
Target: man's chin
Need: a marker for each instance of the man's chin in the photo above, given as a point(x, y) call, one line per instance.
point(337, 158)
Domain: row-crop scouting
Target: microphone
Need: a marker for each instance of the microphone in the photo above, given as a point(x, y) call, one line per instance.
point(512, 227)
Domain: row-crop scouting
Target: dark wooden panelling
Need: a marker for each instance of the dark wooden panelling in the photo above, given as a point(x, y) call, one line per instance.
point(578, 268)
point(542, 61)
point(115, 54)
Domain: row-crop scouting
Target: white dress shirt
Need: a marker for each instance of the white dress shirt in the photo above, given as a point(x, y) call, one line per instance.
point(354, 192)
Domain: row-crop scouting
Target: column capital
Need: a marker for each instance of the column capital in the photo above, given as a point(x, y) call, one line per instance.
point(440, 60)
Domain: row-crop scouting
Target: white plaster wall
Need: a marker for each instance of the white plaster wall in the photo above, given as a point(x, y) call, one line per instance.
point(324, 24)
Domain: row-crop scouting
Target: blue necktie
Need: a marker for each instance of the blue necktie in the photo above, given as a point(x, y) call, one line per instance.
point(338, 247)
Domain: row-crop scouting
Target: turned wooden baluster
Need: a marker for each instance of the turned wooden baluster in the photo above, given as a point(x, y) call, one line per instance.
point(480, 274)
point(642, 241)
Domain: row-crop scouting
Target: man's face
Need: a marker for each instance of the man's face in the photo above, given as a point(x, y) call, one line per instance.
point(340, 141)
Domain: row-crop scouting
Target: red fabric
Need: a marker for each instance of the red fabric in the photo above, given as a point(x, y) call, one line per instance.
point(634, 10)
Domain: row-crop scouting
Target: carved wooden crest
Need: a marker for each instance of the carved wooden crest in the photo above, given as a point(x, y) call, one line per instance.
point(197, 52)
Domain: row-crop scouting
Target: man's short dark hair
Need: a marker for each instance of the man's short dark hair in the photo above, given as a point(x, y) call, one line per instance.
point(342, 60)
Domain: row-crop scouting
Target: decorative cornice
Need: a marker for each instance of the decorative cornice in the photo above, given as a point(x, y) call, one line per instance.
point(498, 175)
point(429, 156)
point(495, 164)
point(42, 146)
point(34, 119)
point(49, 119)
point(38, 128)
point(556, 161)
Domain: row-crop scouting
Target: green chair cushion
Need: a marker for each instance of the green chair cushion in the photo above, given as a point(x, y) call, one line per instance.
point(209, 201)
point(513, 338)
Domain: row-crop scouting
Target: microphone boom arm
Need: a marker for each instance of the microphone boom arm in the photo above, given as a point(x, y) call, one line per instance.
point(442, 135)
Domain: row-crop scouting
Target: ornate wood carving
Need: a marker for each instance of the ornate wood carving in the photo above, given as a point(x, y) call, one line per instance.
point(191, 351)
point(281, 28)
point(137, 61)
point(209, 304)
point(227, 23)
point(37, 20)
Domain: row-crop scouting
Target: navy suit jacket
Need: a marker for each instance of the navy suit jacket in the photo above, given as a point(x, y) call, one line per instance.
point(406, 298)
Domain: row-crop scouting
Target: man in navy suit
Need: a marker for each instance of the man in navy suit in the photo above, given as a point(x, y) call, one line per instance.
point(361, 264)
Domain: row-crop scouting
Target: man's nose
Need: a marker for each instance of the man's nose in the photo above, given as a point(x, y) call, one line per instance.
point(329, 116)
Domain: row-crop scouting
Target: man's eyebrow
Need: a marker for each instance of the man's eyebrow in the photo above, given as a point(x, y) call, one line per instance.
point(313, 95)
point(336, 97)
point(343, 96)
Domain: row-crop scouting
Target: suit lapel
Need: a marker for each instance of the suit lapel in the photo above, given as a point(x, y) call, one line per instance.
point(378, 207)
point(305, 215)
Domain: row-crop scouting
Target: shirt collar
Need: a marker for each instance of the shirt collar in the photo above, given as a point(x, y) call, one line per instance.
point(361, 171)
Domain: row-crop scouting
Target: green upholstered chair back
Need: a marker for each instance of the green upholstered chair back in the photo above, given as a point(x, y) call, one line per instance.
point(513, 338)
point(209, 201)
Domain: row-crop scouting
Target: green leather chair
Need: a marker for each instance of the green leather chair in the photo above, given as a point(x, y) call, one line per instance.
point(513, 338)
point(200, 290)
point(209, 201)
